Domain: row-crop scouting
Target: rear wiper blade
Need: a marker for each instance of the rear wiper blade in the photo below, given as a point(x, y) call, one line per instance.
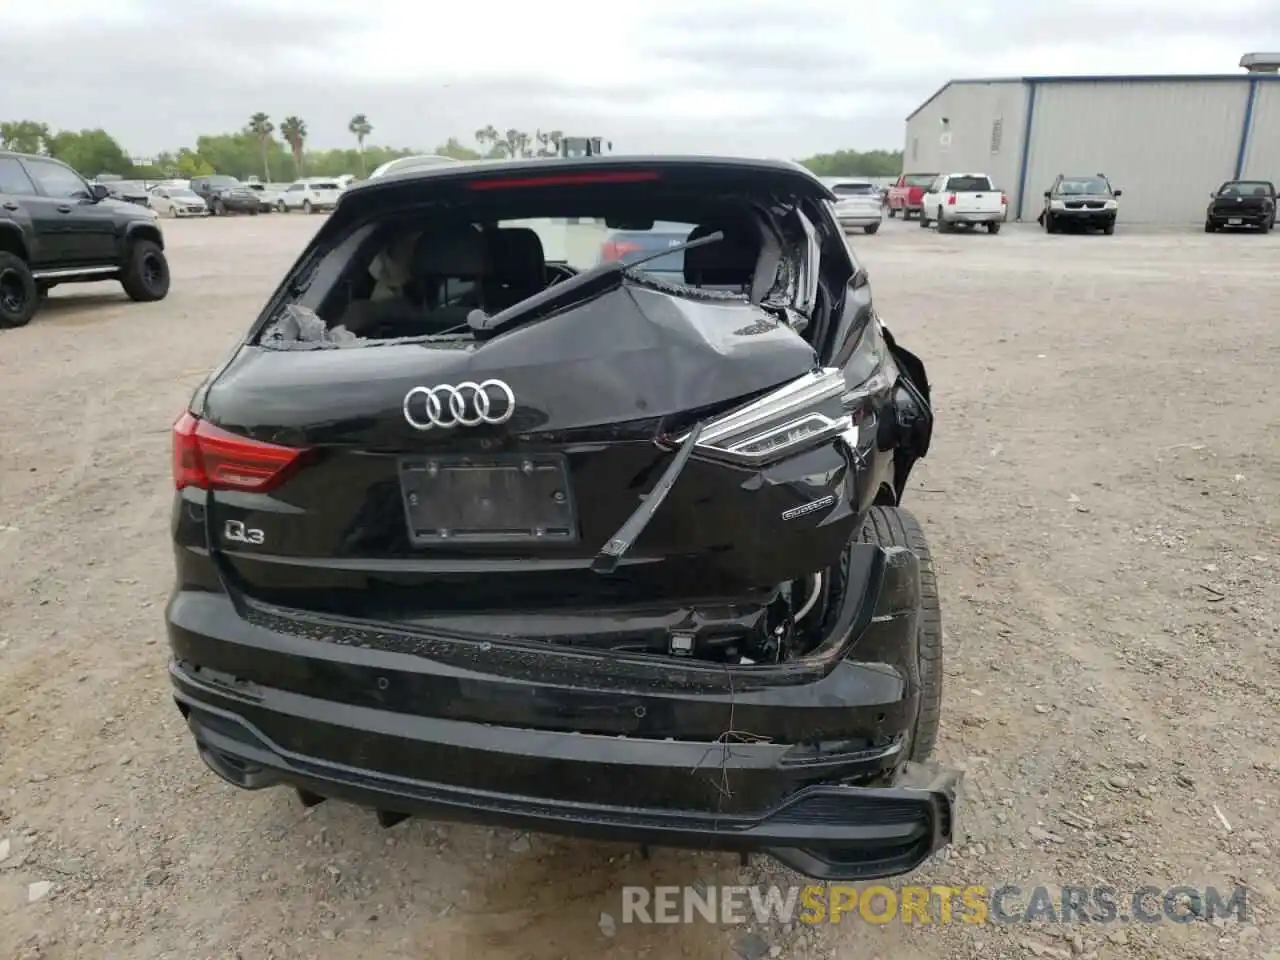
point(611, 554)
point(587, 285)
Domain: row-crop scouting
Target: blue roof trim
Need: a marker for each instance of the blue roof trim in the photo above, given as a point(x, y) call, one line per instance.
point(1243, 78)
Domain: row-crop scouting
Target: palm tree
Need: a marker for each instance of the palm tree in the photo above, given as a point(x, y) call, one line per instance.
point(294, 130)
point(360, 127)
point(487, 136)
point(260, 126)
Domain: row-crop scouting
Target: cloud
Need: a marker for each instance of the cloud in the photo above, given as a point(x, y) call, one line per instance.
point(759, 77)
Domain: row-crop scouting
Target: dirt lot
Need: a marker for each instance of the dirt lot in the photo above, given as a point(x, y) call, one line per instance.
point(1103, 497)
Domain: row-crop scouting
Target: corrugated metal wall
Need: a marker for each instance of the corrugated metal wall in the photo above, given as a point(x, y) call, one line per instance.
point(1166, 144)
point(985, 127)
point(1263, 157)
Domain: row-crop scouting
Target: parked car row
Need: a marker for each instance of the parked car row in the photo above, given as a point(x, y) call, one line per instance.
point(220, 195)
point(1075, 202)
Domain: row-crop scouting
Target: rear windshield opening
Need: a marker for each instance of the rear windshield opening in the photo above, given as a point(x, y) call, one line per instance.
point(968, 184)
point(325, 186)
point(422, 275)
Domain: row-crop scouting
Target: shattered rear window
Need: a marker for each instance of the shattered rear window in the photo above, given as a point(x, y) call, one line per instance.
point(441, 271)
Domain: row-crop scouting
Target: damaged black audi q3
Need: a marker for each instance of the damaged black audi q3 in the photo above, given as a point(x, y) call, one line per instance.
point(485, 521)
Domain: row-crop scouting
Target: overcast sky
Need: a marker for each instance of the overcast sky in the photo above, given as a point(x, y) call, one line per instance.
point(756, 77)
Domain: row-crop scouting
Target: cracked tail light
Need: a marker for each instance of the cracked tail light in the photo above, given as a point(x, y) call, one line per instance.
point(824, 404)
point(209, 458)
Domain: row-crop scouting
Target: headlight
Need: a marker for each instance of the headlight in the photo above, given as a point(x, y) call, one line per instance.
point(1057, 205)
point(1109, 205)
point(816, 408)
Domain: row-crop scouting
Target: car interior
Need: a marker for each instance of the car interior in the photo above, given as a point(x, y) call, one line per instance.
point(417, 282)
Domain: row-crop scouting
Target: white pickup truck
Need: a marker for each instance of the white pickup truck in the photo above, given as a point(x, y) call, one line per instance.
point(963, 199)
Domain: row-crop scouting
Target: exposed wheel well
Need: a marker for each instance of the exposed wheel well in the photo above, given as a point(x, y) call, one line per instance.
point(11, 241)
point(147, 231)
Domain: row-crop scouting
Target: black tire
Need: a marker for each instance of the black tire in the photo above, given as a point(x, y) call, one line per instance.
point(892, 212)
point(145, 276)
point(253, 211)
point(943, 226)
point(872, 227)
point(1209, 226)
point(924, 221)
point(1051, 224)
point(993, 226)
point(1265, 226)
point(19, 295)
point(896, 527)
point(218, 208)
point(1108, 229)
point(306, 206)
point(906, 214)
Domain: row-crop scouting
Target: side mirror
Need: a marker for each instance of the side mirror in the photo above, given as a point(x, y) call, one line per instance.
point(98, 191)
point(1116, 193)
point(1048, 194)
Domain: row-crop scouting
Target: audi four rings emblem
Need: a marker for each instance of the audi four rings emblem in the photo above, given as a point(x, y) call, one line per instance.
point(468, 404)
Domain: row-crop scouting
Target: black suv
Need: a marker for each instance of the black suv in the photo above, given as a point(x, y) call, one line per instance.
point(1242, 203)
point(226, 194)
point(572, 545)
point(56, 227)
point(1080, 203)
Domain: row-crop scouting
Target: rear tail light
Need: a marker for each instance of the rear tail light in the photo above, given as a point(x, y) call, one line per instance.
point(614, 250)
point(1004, 200)
point(951, 200)
point(210, 458)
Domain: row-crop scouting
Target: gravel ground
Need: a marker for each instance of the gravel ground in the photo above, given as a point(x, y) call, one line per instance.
point(1103, 498)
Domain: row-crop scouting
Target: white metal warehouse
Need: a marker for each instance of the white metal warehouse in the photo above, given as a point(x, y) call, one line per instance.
point(1166, 141)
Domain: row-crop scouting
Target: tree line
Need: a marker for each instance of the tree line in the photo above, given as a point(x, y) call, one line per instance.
point(280, 153)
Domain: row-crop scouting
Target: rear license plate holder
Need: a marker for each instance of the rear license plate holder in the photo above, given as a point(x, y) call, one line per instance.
point(488, 499)
point(1235, 222)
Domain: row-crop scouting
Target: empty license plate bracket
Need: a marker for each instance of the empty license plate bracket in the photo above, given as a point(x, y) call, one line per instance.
point(488, 499)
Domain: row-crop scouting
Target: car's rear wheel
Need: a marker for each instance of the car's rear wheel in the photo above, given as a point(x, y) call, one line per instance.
point(306, 206)
point(893, 212)
point(145, 277)
point(19, 296)
point(924, 221)
point(896, 527)
point(993, 226)
point(943, 226)
point(872, 227)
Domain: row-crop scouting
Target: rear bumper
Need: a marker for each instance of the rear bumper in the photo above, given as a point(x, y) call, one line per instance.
point(808, 764)
point(827, 831)
point(974, 216)
point(851, 221)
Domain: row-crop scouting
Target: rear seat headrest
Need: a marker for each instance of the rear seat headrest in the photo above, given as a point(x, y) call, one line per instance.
point(728, 262)
point(517, 254)
point(460, 252)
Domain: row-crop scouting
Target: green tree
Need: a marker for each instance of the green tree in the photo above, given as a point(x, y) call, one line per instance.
point(487, 136)
point(190, 164)
point(24, 136)
point(549, 143)
point(452, 148)
point(360, 128)
point(294, 131)
point(851, 163)
point(261, 127)
point(90, 151)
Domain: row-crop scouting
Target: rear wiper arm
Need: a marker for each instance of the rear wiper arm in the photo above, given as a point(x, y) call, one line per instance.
point(589, 284)
point(610, 555)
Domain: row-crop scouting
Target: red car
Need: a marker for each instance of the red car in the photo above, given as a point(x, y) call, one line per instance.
point(907, 194)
